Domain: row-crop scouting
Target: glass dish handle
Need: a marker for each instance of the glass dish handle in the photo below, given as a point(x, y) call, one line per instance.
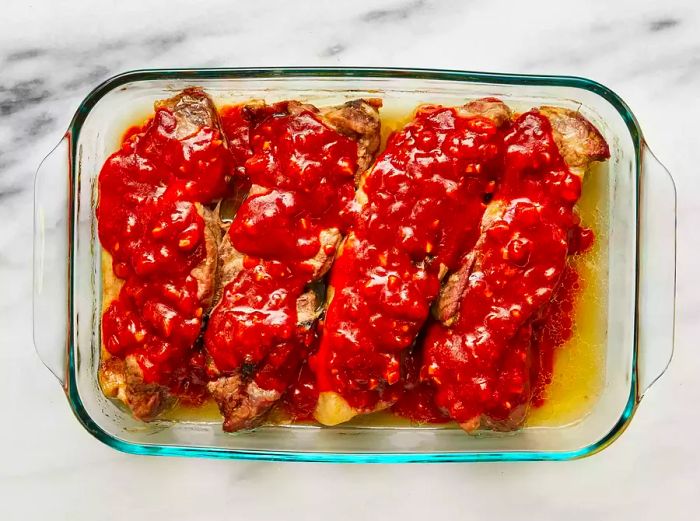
point(51, 259)
point(657, 271)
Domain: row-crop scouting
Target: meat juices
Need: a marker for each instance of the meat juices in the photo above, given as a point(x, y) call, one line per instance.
point(421, 205)
point(161, 245)
point(302, 172)
point(479, 359)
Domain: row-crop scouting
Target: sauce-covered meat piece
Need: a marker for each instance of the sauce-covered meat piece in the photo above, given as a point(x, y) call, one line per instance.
point(479, 359)
point(302, 172)
point(420, 208)
point(161, 246)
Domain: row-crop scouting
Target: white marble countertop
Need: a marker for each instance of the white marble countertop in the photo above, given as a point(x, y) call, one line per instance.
point(53, 52)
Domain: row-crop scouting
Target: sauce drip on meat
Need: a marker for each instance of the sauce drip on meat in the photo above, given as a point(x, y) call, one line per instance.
point(425, 198)
point(302, 172)
point(300, 399)
point(480, 365)
point(149, 223)
point(550, 331)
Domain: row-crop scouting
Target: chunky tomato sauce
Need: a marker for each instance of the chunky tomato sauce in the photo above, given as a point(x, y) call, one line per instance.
point(302, 177)
point(420, 213)
point(481, 365)
point(150, 223)
point(424, 202)
point(551, 329)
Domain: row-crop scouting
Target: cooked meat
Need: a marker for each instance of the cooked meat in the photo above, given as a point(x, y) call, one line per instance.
point(491, 108)
point(241, 397)
point(308, 308)
point(230, 263)
point(242, 404)
point(359, 120)
point(447, 304)
point(579, 142)
point(123, 378)
point(480, 363)
point(320, 264)
point(146, 400)
point(205, 273)
point(193, 109)
point(460, 170)
point(260, 277)
point(112, 377)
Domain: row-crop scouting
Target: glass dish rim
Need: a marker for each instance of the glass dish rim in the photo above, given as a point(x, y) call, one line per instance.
point(118, 80)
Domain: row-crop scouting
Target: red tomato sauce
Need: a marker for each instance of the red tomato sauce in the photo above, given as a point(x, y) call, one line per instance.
point(481, 364)
point(149, 222)
point(300, 399)
point(425, 198)
point(550, 331)
point(302, 173)
point(417, 398)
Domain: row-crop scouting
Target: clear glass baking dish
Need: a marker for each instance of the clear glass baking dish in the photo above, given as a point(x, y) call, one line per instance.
point(640, 267)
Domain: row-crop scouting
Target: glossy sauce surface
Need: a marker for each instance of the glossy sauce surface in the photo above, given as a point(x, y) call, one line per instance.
point(576, 365)
point(424, 201)
point(481, 364)
point(302, 174)
point(150, 223)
